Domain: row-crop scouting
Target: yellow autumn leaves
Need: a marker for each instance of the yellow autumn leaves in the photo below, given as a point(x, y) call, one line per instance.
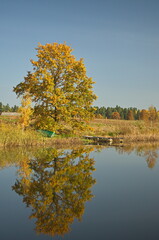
point(58, 87)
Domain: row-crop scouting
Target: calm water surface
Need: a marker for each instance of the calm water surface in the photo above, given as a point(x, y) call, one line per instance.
point(85, 193)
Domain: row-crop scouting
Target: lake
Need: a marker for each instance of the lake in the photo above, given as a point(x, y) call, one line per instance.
point(90, 192)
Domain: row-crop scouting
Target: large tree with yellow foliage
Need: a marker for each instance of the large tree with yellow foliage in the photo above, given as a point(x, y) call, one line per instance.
point(58, 86)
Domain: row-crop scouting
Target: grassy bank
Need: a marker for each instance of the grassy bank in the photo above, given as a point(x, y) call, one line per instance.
point(131, 131)
point(11, 133)
point(11, 136)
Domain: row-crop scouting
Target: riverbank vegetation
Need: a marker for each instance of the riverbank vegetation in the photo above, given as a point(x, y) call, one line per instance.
point(12, 133)
point(131, 131)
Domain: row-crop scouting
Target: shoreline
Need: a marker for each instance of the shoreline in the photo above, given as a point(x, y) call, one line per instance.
point(75, 141)
point(12, 135)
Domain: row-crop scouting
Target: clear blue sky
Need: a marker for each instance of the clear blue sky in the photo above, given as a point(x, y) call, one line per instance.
point(118, 39)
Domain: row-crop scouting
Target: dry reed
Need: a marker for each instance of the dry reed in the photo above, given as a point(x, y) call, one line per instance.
point(11, 133)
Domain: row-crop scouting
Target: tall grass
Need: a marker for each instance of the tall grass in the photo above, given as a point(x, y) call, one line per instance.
point(129, 130)
point(11, 133)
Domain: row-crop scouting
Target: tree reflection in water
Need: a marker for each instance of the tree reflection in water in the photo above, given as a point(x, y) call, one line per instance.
point(147, 150)
point(56, 185)
point(151, 158)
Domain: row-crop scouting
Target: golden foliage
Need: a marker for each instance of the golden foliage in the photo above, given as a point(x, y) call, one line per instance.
point(116, 115)
point(25, 110)
point(59, 87)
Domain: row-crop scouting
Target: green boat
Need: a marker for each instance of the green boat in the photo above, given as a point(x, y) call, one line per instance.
point(46, 133)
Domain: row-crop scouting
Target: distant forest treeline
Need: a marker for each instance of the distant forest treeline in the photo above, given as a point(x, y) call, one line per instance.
point(117, 112)
point(7, 108)
point(127, 113)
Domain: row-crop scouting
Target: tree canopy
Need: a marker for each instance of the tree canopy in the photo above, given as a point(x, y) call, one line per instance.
point(58, 86)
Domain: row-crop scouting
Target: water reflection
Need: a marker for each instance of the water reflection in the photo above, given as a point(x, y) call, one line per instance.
point(147, 150)
point(56, 185)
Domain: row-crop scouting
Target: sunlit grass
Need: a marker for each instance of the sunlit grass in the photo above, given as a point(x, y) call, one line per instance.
point(129, 130)
point(11, 133)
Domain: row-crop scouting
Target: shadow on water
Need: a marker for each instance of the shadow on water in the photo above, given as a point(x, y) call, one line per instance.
point(56, 185)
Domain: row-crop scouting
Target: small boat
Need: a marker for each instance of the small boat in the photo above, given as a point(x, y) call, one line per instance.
point(46, 133)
